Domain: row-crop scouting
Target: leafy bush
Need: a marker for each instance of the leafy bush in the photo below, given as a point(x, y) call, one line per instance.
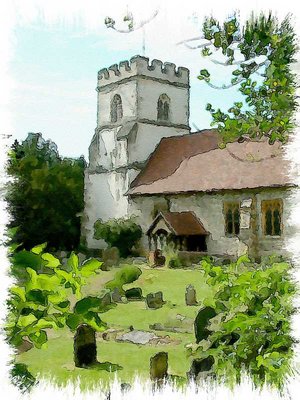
point(121, 233)
point(42, 300)
point(127, 274)
point(172, 257)
point(254, 306)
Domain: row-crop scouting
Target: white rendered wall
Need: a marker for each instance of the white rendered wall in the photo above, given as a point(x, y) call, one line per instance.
point(148, 138)
point(128, 93)
point(148, 94)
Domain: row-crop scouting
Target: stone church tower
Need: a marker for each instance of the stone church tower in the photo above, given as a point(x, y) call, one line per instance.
point(138, 105)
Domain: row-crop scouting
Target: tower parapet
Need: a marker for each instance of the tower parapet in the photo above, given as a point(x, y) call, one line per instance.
point(139, 66)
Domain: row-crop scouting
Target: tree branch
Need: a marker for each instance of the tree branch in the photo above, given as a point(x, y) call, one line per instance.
point(255, 69)
point(141, 24)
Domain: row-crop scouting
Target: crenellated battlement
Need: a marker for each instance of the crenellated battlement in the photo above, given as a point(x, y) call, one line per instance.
point(139, 65)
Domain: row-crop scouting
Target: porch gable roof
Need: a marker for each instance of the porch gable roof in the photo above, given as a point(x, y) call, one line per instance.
point(183, 223)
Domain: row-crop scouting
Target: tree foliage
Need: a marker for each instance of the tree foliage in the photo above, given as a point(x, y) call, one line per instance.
point(253, 304)
point(45, 195)
point(263, 51)
point(42, 300)
point(121, 233)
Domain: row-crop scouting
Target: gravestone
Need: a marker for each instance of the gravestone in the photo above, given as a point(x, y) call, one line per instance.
point(110, 258)
point(105, 298)
point(116, 295)
point(134, 294)
point(201, 323)
point(155, 300)
point(159, 366)
point(85, 348)
point(202, 367)
point(190, 296)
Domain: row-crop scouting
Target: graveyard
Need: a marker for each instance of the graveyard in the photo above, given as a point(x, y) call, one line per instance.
point(136, 332)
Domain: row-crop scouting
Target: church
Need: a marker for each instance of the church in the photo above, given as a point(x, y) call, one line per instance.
point(179, 185)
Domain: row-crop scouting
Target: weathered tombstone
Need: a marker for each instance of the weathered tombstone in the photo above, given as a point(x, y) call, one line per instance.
point(159, 366)
point(85, 348)
point(110, 258)
point(190, 296)
point(116, 296)
point(200, 367)
point(155, 300)
point(134, 294)
point(81, 257)
point(105, 298)
point(201, 322)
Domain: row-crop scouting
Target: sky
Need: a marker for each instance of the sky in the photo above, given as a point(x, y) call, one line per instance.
point(56, 58)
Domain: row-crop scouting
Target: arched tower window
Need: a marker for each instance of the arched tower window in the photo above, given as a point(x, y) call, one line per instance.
point(116, 111)
point(163, 108)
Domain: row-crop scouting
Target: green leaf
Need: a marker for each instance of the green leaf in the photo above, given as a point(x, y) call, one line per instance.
point(90, 267)
point(37, 296)
point(73, 320)
point(73, 262)
point(39, 248)
point(38, 339)
point(86, 304)
point(52, 262)
point(25, 320)
point(19, 291)
point(204, 73)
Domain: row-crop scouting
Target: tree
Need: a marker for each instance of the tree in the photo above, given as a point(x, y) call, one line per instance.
point(45, 194)
point(262, 51)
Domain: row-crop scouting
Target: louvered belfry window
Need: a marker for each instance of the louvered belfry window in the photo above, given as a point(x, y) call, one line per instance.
point(163, 108)
point(116, 112)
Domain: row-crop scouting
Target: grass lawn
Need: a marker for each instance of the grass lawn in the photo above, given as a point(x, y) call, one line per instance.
point(56, 361)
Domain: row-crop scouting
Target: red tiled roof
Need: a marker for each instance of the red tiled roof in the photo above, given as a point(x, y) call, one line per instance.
point(197, 164)
point(172, 151)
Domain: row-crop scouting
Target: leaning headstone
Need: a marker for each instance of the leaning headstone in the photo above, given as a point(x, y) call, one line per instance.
point(202, 367)
point(201, 323)
point(134, 294)
point(155, 300)
point(85, 348)
point(159, 366)
point(116, 296)
point(190, 296)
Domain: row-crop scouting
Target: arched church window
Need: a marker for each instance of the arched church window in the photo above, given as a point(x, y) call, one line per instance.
point(116, 111)
point(163, 108)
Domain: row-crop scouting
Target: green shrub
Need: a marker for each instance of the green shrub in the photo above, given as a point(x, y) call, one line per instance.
point(127, 274)
point(254, 306)
point(172, 257)
point(121, 233)
point(42, 300)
